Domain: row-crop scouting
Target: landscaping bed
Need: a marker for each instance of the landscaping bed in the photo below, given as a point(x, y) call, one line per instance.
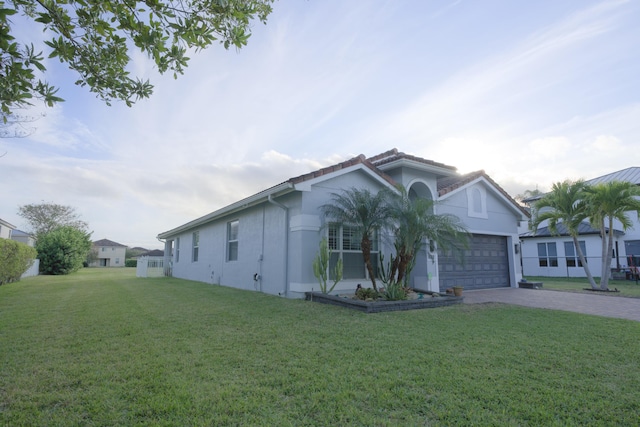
point(427, 301)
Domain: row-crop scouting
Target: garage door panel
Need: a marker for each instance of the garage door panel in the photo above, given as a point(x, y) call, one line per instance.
point(485, 265)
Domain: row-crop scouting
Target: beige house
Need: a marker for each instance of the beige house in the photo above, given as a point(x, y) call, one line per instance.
point(108, 254)
point(6, 229)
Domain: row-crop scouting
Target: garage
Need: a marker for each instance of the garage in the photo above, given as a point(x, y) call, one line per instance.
point(485, 265)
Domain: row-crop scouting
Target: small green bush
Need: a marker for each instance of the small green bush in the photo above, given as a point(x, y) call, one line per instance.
point(15, 259)
point(131, 263)
point(395, 292)
point(63, 250)
point(367, 293)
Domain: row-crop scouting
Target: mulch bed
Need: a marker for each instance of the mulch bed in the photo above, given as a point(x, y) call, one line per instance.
point(428, 301)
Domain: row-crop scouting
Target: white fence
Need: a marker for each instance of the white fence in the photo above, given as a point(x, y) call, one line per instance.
point(150, 266)
point(33, 270)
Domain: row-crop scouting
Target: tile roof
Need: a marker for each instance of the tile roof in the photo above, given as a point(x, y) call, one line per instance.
point(449, 181)
point(105, 242)
point(394, 155)
point(361, 159)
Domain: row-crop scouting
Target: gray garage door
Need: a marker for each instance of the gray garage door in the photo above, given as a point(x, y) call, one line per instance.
point(485, 265)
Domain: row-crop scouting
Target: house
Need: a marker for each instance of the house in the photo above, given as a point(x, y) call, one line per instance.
point(267, 242)
point(22, 237)
point(6, 229)
point(108, 254)
point(544, 254)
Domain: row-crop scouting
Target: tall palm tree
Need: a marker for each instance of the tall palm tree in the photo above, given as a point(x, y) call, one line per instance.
point(564, 204)
point(606, 203)
point(365, 212)
point(414, 222)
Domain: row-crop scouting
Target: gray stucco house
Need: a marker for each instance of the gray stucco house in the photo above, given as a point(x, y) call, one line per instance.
point(267, 242)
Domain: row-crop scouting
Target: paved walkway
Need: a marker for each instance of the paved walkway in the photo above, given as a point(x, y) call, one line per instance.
point(598, 305)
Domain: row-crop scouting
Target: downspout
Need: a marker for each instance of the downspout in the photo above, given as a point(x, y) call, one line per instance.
point(286, 242)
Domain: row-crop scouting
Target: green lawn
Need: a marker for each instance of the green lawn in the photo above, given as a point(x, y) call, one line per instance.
point(101, 347)
point(627, 288)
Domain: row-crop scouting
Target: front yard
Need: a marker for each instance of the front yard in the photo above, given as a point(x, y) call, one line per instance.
point(101, 347)
point(627, 288)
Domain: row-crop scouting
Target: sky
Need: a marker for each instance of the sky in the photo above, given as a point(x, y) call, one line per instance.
point(531, 92)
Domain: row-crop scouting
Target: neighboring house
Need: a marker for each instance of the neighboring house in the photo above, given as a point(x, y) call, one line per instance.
point(555, 256)
point(22, 237)
point(152, 253)
point(6, 229)
point(267, 242)
point(108, 254)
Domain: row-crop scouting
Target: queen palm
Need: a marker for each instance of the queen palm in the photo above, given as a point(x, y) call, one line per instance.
point(606, 203)
point(414, 222)
point(564, 204)
point(365, 212)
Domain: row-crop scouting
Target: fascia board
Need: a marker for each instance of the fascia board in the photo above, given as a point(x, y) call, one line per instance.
point(6, 224)
point(417, 165)
point(306, 185)
point(230, 209)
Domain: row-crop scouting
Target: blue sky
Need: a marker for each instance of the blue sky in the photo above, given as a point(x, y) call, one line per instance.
point(531, 92)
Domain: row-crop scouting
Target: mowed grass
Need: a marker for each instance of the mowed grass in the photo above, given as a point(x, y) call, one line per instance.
point(626, 288)
point(102, 347)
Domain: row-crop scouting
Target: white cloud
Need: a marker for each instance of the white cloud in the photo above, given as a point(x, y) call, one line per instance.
point(606, 144)
point(552, 147)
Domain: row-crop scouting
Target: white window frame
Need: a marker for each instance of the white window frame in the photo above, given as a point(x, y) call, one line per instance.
point(195, 253)
point(571, 254)
point(233, 246)
point(545, 259)
point(343, 248)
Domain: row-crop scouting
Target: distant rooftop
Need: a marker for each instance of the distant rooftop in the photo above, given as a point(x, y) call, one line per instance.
point(627, 175)
point(106, 242)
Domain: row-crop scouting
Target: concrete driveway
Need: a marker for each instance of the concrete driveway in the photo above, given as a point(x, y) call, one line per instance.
point(598, 305)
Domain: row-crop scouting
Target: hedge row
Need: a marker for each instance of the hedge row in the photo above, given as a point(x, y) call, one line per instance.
point(15, 259)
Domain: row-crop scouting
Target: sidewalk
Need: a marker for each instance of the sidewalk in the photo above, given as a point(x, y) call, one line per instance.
point(598, 305)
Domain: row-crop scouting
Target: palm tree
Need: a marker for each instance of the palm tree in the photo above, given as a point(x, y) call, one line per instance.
point(607, 202)
point(564, 204)
point(414, 222)
point(365, 212)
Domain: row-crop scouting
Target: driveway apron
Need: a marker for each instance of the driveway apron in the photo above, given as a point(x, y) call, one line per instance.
point(598, 305)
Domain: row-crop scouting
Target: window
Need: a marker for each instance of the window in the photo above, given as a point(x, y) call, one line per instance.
point(344, 242)
point(177, 249)
point(477, 202)
point(196, 244)
point(102, 249)
point(573, 260)
point(547, 255)
point(232, 241)
point(117, 261)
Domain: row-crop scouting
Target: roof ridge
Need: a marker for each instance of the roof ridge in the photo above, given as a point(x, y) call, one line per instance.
point(328, 169)
point(388, 153)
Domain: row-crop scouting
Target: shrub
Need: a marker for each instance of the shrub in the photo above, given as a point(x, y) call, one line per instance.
point(395, 292)
point(131, 263)
point(367, 293)
point(15, 259)
point(321, 267)
point(63, 250)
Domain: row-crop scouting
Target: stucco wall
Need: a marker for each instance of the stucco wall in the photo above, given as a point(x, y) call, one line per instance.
point(261, 249)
